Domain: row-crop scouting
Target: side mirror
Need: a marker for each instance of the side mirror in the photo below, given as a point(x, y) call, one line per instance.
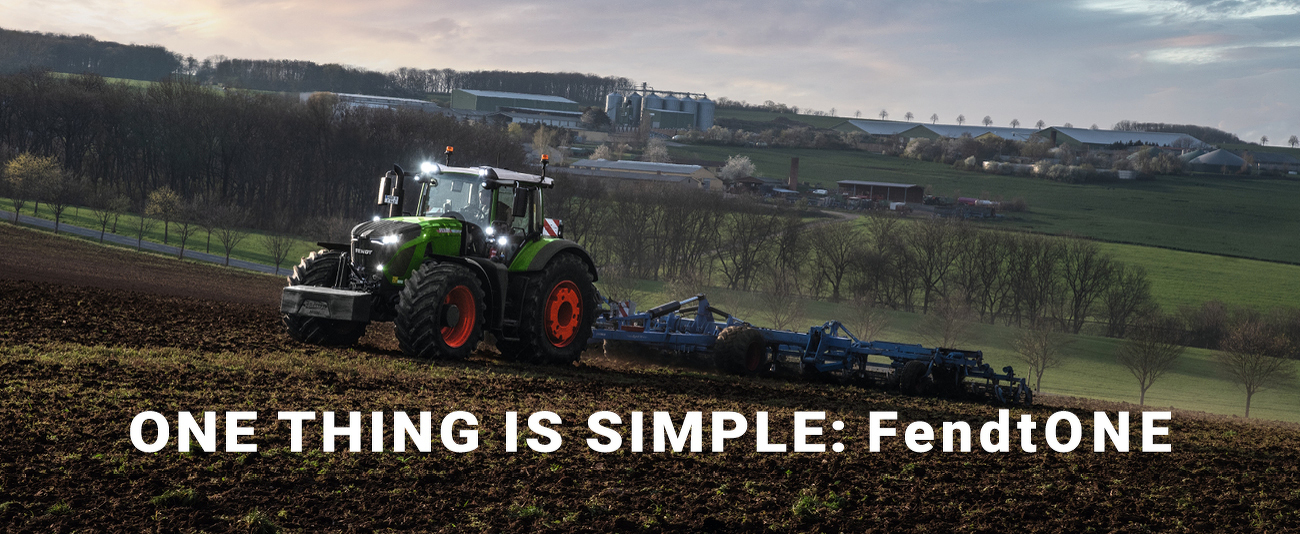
point(522, 196)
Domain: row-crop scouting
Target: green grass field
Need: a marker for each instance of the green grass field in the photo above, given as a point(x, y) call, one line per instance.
point(1249, 217)
point(1089, 369)
point(250, 249)
point(763, 116)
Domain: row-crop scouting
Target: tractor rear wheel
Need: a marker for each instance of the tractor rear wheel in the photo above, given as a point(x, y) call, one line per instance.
point(440, 312)
point(740, 350)
point(558, 308)
point(321, 269)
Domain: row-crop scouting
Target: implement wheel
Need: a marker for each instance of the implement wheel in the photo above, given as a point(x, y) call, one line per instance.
point(740, 350)
point(559, 307)
point(913, 379)
point(440, 312)
point(320, 269)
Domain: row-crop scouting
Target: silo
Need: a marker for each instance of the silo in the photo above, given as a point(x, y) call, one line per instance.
point(634, 104)
point(690, 106)
point(652, 101)
point(672, 103)
point(612, 102)
point(704, 119)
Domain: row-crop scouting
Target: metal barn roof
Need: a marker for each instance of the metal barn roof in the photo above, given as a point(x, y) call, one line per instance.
point(1107, 137)
point(875, 184)
point(882, 127)
point(522, 96)
point(636, 166)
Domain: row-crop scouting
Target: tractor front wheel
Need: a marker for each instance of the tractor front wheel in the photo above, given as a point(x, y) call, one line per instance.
point(321, 269)
point(440, 312)
point(558, 309)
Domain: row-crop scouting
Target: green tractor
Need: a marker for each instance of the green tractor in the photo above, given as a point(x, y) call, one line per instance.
point(473, 253)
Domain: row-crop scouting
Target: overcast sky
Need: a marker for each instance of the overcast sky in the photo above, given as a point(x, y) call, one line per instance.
point(1234, 65)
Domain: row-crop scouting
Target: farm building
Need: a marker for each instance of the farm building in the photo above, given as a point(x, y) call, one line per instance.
point(649, 172)
point(381, 102)
point(1084, 137)
point(886, 191)
point(1216, 161)
point(936, 131)
point(517, 107)
point(1273, 161)
point(870, 127)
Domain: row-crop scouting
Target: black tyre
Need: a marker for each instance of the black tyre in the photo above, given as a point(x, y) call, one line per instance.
point(558, 308)
point(440, 312)
point(321, 269)
point(912, 380)
point(740, 350)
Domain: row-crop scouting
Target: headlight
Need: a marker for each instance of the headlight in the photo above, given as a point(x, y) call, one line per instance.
point(427, 167)
point(389, 239)
point(502, 241)
point(490, 230)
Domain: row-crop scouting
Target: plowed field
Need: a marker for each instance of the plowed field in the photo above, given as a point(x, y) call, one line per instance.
point(81, 356)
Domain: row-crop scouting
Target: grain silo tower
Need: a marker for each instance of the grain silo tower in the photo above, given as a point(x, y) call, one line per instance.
point(704, 118)
point(613, 102)
point(690, 106)
point(652, 101)
point(634, 105)
point(672, 103)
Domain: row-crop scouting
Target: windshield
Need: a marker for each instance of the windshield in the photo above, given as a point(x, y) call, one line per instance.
point(458, 196)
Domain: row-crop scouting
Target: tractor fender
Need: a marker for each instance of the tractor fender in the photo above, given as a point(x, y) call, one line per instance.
point(537, 254)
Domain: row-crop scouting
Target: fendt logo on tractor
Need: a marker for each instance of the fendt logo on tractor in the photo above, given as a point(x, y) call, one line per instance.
point(473, 253)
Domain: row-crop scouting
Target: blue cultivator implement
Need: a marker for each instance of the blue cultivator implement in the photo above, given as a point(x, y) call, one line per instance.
point(826, 351)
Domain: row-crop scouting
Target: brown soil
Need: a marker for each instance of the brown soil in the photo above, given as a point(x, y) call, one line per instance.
point(79, 361)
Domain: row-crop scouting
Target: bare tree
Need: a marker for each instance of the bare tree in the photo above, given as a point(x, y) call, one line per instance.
point(857, 114)
point(988, 121)
point(1067, 125)
point(1041, 347)
point(835, 248)
point(1263, 140)
point(230, 227)
point(1128, 296)
point(1152, 348)
point(1087, 274)
point(934, 118)
point(961, 119)
point(781, 305)
point(59, 191)
point(883, 114)
point(1040, 124)
point(1255, 358)
point(277, 243)
point(948, 322)
point(908, 116)
point(187, 223)
point(867, 319)
point(1293, 141)
point(102, 212)
point(144, 226)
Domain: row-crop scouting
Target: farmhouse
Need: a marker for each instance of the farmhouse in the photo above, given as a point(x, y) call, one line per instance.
point(886, 191)
point(648, 172)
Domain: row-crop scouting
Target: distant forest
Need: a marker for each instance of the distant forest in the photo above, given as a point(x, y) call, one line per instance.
point(82, 54)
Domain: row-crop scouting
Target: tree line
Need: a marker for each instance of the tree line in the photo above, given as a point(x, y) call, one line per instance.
point(277, 157)
point(20, 50)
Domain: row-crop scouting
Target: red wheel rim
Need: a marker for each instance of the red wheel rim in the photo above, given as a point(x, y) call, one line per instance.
point(562, 314)
point(456, 335)
point(754, 356)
